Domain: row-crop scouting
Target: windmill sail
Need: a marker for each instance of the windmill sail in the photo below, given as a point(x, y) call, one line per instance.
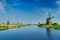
point(48, 19)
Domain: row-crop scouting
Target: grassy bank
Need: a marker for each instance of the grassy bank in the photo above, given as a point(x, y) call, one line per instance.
point(5, 27)
point(51, 26)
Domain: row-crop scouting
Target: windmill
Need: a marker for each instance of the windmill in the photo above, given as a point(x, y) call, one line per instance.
point(48, 20)
point(8, 22)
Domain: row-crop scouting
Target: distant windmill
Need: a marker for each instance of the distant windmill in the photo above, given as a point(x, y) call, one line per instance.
point(17, 22)
point(48, 19)
point(8, 22)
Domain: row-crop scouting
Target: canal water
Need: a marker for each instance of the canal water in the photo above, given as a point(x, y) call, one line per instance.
point(30, 33)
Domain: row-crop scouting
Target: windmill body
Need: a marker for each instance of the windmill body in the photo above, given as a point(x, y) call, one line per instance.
point(48, 20)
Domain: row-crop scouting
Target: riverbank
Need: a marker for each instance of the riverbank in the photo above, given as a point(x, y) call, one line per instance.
point(11, 26)
point(51, 26)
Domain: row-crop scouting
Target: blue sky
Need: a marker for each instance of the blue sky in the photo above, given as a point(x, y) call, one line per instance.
point(29, 11)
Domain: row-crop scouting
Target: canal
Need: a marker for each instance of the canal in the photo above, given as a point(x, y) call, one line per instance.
point(30, 33)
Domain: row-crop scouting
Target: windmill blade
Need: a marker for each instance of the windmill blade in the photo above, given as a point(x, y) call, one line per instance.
point(49, 14)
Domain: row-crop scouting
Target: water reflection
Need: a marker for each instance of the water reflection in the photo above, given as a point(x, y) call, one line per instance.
point(48, 33)
point(30, 33)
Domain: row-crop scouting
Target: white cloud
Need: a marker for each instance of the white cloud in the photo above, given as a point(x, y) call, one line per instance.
point(2, 6)
point(58, 3)
point(43, 10)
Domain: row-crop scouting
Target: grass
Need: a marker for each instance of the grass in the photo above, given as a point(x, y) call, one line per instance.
point(5, 27)
point(51, 26)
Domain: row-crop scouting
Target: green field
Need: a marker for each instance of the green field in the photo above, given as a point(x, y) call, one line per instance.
point(51, 26)
point(6, 27)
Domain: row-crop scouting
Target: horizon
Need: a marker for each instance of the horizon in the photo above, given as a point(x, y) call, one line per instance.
point(29, 11)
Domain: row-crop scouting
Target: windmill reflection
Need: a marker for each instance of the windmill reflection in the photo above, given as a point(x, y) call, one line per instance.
point(48, 33)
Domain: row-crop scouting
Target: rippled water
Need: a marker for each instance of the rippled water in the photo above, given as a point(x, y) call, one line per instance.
point(30, 33)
